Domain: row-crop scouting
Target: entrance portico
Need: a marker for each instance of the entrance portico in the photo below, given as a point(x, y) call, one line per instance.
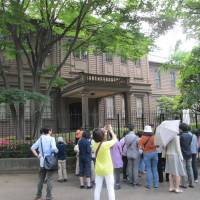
point(92, 87)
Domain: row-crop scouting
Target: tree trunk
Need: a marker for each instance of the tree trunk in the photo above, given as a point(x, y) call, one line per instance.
point(15, 118)
point(16, 39)
point(37, 118)
point(37, 108)
point(21, 123)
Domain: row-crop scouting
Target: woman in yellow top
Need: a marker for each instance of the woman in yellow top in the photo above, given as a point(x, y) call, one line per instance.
point(103, 165)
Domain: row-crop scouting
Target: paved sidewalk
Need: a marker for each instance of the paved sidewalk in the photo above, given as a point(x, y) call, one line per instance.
point(23, 187)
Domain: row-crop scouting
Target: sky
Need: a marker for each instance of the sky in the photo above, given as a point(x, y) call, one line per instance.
point(166, 44)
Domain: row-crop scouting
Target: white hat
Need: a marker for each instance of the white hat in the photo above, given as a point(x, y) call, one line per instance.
point(60, 139)
point(147, 129)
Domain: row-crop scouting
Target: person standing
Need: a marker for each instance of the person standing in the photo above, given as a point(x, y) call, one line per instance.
point(78, 136)
point(116, 155)
point(103, 165)
point(148, 146)
point(194, 150)
point(185, 142)
point(174, 164)
point(62, 171)
point(124, 156)
point(45, 145)
point(131, 141)
point(85, 159)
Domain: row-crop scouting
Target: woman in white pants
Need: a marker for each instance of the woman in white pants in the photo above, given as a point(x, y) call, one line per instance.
point(103, 165)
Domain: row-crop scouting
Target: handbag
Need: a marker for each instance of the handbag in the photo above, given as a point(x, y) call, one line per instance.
point(97, 151)
point(50, 161)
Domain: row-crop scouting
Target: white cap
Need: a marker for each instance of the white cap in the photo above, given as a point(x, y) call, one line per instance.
point(60, 139)
point(147, 129)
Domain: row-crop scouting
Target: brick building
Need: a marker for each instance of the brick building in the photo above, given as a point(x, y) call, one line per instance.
point(100, 87)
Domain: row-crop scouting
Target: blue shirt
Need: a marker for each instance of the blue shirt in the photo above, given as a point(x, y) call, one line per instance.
point(48, 145)
point(85, 150)
point(194, 144)
point(61, 151)
point(185, 142)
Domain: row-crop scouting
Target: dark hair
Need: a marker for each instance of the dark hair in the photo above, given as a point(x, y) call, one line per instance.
point(196, 132)
point(131, 127)
point(139, 133)
point(44, 131)
point(98, 135)
point(125, 133)
point(183, 127)
point(86, 134)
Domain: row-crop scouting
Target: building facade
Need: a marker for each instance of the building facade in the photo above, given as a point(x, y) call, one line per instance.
point(100, 89)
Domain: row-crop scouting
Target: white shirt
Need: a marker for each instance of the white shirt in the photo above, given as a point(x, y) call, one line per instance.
point(49, 147)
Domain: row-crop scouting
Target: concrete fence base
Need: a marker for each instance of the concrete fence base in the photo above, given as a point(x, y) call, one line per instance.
point(28, 165)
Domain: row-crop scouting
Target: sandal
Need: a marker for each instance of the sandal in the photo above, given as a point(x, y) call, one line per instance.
point(178, 191)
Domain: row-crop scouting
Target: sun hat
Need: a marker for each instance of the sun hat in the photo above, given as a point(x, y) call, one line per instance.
point(147, 129)
point(60, 139)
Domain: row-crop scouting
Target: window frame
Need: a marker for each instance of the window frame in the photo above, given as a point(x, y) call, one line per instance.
point(109, 57)
point(123, 107)
point(110, 115)
point(124, 60)
point(48, 115)
point(80, 54)
point(3, 115)
point(139, 110)
point(173, 79)
point(138, 63)
point(157, 79)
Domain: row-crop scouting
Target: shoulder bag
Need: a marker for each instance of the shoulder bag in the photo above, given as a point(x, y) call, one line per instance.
point(97, 151)
point(50, 161)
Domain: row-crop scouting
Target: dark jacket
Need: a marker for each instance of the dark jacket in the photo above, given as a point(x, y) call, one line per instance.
point(185, 142)
point(61, 155)
point(84, 149)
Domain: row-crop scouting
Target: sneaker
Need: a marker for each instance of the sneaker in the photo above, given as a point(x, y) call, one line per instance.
point(191, 186)
point(178, 191)
point(196, 181)
point(147, 188)
point(156, 189)
point(117, 187)
point(183, 186)
point(89, 187)
point(82, 186)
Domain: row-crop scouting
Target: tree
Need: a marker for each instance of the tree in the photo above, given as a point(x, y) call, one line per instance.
point(170, 104)
point(188, 65)
point(36, 26)
point(188, 14)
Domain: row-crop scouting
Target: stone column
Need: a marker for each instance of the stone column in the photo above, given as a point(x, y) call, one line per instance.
point(128, 108)
point(85, 110)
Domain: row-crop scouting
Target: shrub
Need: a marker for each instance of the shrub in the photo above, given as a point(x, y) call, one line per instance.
point(23, 151)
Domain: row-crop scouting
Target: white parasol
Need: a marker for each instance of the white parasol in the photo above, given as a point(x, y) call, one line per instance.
point(166, 131)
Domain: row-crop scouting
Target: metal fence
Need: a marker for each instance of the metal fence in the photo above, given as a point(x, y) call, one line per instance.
point(11, 147)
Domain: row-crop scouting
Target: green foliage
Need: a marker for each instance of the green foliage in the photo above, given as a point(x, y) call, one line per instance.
point(188, 64)
point(108, 25)
point(23, 151)
point(170, 104)
point(20, 96)
point(59, 82)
